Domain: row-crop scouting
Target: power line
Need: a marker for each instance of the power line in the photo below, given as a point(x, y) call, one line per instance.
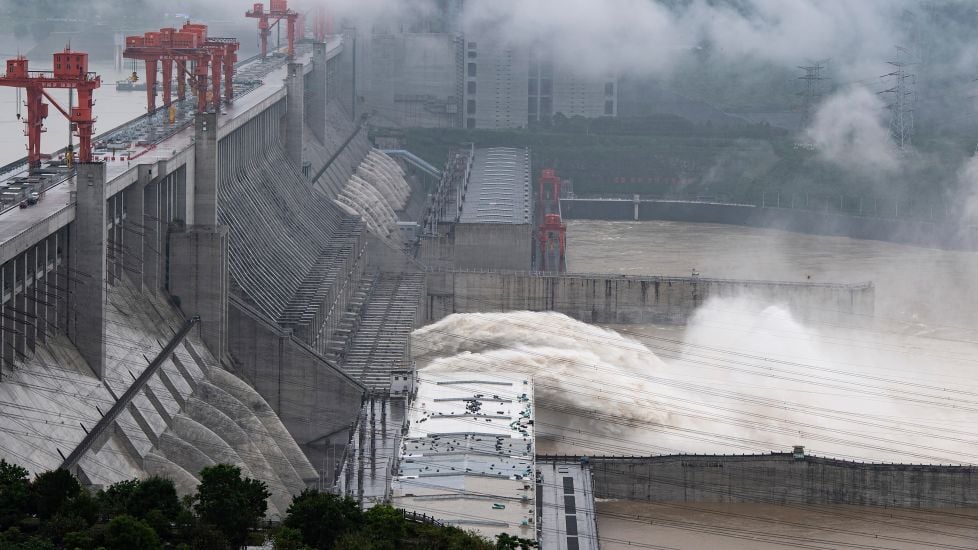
point(813, 89)
point(903, 99)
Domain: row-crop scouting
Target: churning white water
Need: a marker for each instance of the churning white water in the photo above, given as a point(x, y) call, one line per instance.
point(376, 191)
point(738, 379)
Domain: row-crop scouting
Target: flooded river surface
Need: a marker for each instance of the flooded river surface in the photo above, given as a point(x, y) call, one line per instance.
point(914, 285)
point(683, 526)
point(923, 336)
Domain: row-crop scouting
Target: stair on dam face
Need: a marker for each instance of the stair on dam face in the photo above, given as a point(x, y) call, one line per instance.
point(342, 338)
point(381, 342)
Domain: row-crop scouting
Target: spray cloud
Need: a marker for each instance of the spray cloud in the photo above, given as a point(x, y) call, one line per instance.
point(747, 379)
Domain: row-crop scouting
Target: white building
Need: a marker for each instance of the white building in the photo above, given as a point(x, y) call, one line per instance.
point(469, 457)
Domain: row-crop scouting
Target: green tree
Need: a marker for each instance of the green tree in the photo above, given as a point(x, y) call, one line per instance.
point(51, 490)
point(229, 502)
point(128, 533)
point(513, 542)
point(287, 538)
point(80, 540)
point(114, 500)
point(154, 493)
point(323, 517)
point(357, 541)
point(13, 539)
point(385, 526)
point(14, 494)
point(203, 536)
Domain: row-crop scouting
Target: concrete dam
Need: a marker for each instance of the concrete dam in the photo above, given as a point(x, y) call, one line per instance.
point(244, 288)
point(211, 301)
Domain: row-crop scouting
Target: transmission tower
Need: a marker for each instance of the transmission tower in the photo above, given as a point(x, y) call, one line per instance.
point(903, 99)
point(812, 90)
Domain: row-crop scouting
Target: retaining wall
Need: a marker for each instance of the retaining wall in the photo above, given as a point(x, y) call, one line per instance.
point(919, 233)
point(618, 299)
point(782, 479)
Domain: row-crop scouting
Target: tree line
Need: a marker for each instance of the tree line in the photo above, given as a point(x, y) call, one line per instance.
point(54, 512)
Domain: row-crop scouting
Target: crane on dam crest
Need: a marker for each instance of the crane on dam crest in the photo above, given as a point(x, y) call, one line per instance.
point(207, 57)
point(70, 72)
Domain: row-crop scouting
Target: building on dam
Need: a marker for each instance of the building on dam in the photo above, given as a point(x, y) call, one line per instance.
point(481, 215)
point(468, 457)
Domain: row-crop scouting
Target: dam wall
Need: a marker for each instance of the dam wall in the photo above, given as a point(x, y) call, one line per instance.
point(618, 299)
point(217, 224)
point(902, 231)
point(782, 479)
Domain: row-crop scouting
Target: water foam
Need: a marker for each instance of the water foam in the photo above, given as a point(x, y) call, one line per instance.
point(741, 379)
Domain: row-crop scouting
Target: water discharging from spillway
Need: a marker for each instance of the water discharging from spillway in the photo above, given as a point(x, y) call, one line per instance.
point(739, 379)
point(376, 191)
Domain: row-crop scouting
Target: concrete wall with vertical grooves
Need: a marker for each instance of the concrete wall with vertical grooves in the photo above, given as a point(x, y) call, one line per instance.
point(779, 478)
point(619, 299)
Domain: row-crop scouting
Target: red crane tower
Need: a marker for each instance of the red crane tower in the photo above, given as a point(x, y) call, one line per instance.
point(190, 46)
point(278, 11)
point(552, 232)
point(70, 72)
point(322, 25)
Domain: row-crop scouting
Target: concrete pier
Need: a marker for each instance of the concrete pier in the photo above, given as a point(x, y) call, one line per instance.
point(295, 112)
point(199, 280)
point(87, 274)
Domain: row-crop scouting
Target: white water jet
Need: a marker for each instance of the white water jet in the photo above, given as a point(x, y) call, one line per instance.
point(760, 389)
point(356, 205)
point(374, 201)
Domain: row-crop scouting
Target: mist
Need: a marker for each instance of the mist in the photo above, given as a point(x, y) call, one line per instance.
point(849, 130)
point(653, 37)
point(745, 378)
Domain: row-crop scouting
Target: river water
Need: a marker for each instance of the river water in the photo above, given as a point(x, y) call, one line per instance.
point(927, 306)
point(934, 288)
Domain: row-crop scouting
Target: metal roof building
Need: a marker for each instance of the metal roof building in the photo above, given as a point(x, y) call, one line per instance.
point(498, 189)
point(469, 456)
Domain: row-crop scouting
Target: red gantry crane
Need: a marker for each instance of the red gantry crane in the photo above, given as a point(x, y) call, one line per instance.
point(194, 54)
point(322, 25)
point(552, 233)
point(278, 11)
point(70, 72)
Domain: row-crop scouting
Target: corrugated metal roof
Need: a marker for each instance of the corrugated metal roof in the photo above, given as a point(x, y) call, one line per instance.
point(469, 457)
point(498, 189)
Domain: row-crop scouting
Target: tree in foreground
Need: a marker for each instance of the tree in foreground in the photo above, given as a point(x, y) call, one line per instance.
point(323, 518)
point(513, 542)
point(14, 494)
point(232, 504)
point(50, 490)
point(128, 533)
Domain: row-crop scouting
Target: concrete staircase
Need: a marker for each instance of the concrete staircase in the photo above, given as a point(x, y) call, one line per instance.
point(350, 323)
point(382, 339)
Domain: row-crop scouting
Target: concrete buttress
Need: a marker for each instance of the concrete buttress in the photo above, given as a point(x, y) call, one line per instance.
point(317, 95)
point(206, 175)
point(135, 219)
point(87, 268)
point(199, 280)
point(295, 112)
